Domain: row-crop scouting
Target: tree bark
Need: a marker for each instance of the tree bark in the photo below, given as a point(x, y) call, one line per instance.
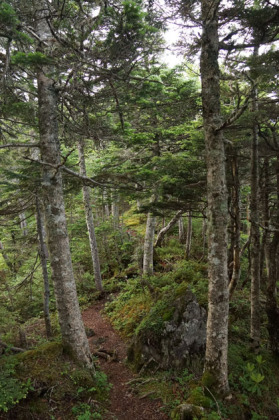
point(43, 258)
point(181, 230)
point(216, 364)
point(266, 216)
point(90, 221)
point(164, 230)
point(255, 230)
point(72, 328)
point(236, 226)
point(188, 236)
point(148, 248)
point(23, 224)
point(115, 210)
point(272, 309)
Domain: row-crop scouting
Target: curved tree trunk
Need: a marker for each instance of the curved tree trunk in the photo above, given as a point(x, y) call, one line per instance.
point(90, 221)
point(72, 328)
point(216, 362)
point(165, 229)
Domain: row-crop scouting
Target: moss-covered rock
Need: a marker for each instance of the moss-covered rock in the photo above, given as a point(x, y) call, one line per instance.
point(187, 412)
point(170, 335)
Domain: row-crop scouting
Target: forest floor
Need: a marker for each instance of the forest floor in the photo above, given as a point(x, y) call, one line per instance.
point(124, 404)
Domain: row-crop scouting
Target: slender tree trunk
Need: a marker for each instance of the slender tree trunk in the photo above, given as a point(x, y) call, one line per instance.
point(189, 236)
point(106, 205)
point(266, 216)
point(181, 230)
point(236, 226)
point(216, 360)
point(90, 221)
point(72, 328)
point(43, 258)
point(148, 247)
point(272, 309)
point(164, 230)
point(204, 237)
point(23, 224)
point(255, 230)
point(115, 210)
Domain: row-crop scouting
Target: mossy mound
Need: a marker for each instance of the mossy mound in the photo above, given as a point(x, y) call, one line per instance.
point(57, 384)
point(171, 335)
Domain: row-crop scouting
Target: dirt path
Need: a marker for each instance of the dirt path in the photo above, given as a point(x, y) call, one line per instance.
point(124, 404)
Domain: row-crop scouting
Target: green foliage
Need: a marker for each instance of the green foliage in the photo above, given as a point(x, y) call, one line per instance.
point(12, 390)
point(252, 379)
point(8, 15)
point(50, 369)
point(83, 411)
point(146, 304)
point(30, 59)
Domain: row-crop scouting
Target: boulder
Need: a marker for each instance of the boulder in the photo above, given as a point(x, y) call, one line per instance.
point(180, 339)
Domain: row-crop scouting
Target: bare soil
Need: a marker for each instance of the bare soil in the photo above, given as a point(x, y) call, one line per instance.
point(125, 405)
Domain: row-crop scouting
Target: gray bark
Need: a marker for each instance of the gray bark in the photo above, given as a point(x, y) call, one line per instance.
point(236, 226)
point(148, 247)
point(72, 328)
point(255, 230)
point(115, 210)
point(43, 259)
point(216, 363)
point(272, 308)
point(23, 224)
point(204, 237)
point(165, 229)
point(181, 230)
point(189, 236)
point(90, 221)
point(106, 205)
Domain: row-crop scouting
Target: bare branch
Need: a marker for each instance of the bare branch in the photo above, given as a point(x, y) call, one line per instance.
point(11, 145)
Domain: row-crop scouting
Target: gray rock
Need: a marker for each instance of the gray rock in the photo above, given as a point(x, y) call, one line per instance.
point(181, 338)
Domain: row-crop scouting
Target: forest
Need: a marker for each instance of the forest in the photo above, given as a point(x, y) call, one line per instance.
point(139, 209)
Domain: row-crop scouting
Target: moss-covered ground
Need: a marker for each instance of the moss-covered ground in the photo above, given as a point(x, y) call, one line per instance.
point(49, 384)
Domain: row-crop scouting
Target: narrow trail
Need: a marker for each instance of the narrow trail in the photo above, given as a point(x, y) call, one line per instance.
point(124, 404)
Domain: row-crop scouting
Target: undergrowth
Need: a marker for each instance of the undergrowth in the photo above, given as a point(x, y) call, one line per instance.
point(45, 383)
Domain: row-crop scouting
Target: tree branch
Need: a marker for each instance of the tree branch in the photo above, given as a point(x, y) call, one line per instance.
point(10, 145)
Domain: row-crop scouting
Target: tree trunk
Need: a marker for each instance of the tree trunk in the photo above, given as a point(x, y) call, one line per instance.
point(272, 309)
point(266, 216)
point(255, 231)
point(189, 236)
point(165, 229)
point(23, 224)
point(181, 230)
point(236, 226)
point(106, 205)
point(43, 258)
point(90, 221)
point(115, 210)
point(72, 328)
point(216, 363)
point(148, 244)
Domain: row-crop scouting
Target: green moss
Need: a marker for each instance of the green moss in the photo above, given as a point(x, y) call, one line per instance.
point(197, 397)
point(56, 376)
point(208, 380)
point(181, 289)
point(186, 412)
